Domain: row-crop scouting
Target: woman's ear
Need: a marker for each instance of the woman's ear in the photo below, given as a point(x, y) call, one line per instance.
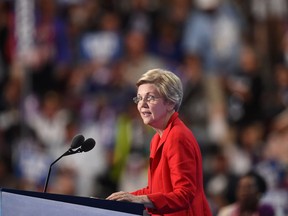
point(170, 106)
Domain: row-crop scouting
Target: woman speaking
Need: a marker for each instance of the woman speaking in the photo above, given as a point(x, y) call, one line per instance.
point(175, 179)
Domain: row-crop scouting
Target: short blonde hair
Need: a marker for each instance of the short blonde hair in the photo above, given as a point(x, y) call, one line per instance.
point(167, 83)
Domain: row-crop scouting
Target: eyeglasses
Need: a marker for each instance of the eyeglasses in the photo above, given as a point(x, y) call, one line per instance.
point(147, 98)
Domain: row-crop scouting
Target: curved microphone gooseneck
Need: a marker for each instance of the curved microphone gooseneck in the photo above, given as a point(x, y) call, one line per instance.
point(80, 145)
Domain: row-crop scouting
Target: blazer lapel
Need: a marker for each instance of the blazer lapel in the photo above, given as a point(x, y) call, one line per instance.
point(166, 131)
point(158, 142)
point(156, 147)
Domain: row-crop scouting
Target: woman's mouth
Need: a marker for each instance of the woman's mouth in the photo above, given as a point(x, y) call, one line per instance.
point(145, 114)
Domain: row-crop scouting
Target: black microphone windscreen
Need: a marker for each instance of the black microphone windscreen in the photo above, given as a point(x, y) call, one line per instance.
point(88, 145)
point(77, 141)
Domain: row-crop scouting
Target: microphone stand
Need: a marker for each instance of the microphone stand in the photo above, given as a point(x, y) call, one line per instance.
point(69, 152)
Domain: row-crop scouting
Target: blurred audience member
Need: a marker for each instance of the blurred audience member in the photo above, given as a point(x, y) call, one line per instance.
point(220, 180)
point(7, 177)
point(213, 31)
point(276, 99)
point(5, 58)
point(30, 162)
point(246, 147)
point(50, 57)
point(167, 37)
point(11, 122)
point(48, 118)
point(244, 89)
point(64, 182)
point(250, 189)
point(195, 102)
point(137, 58)
point(139, 15)
point(282, 55)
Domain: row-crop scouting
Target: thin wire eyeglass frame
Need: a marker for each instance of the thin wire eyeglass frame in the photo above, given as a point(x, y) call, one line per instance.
point(148, 98)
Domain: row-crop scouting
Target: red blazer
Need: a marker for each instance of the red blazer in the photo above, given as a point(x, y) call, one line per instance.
point(175, 179)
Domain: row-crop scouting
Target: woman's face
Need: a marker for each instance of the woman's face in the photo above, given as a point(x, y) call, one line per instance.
point(247, 191)
point(153, 108)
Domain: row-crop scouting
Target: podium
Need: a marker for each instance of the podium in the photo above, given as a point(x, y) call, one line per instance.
point(28, 203)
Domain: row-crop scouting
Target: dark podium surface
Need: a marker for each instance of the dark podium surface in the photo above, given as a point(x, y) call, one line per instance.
point(28, 203)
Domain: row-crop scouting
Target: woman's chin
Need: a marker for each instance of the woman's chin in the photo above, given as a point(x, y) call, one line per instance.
point(146, 121)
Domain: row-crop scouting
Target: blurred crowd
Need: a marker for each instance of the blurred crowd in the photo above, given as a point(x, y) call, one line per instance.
point(79, 78)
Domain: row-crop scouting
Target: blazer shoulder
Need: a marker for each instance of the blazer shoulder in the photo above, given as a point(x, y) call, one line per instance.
point(179, 127)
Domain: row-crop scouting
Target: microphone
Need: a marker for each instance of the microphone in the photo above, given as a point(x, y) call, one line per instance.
point(88, 145)
point(80, 145)
point(77, 141)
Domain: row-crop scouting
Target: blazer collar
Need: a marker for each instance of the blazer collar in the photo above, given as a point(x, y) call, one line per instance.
point(167, 130)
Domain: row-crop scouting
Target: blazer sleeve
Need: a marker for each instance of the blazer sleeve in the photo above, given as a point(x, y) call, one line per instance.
point(143, 191)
